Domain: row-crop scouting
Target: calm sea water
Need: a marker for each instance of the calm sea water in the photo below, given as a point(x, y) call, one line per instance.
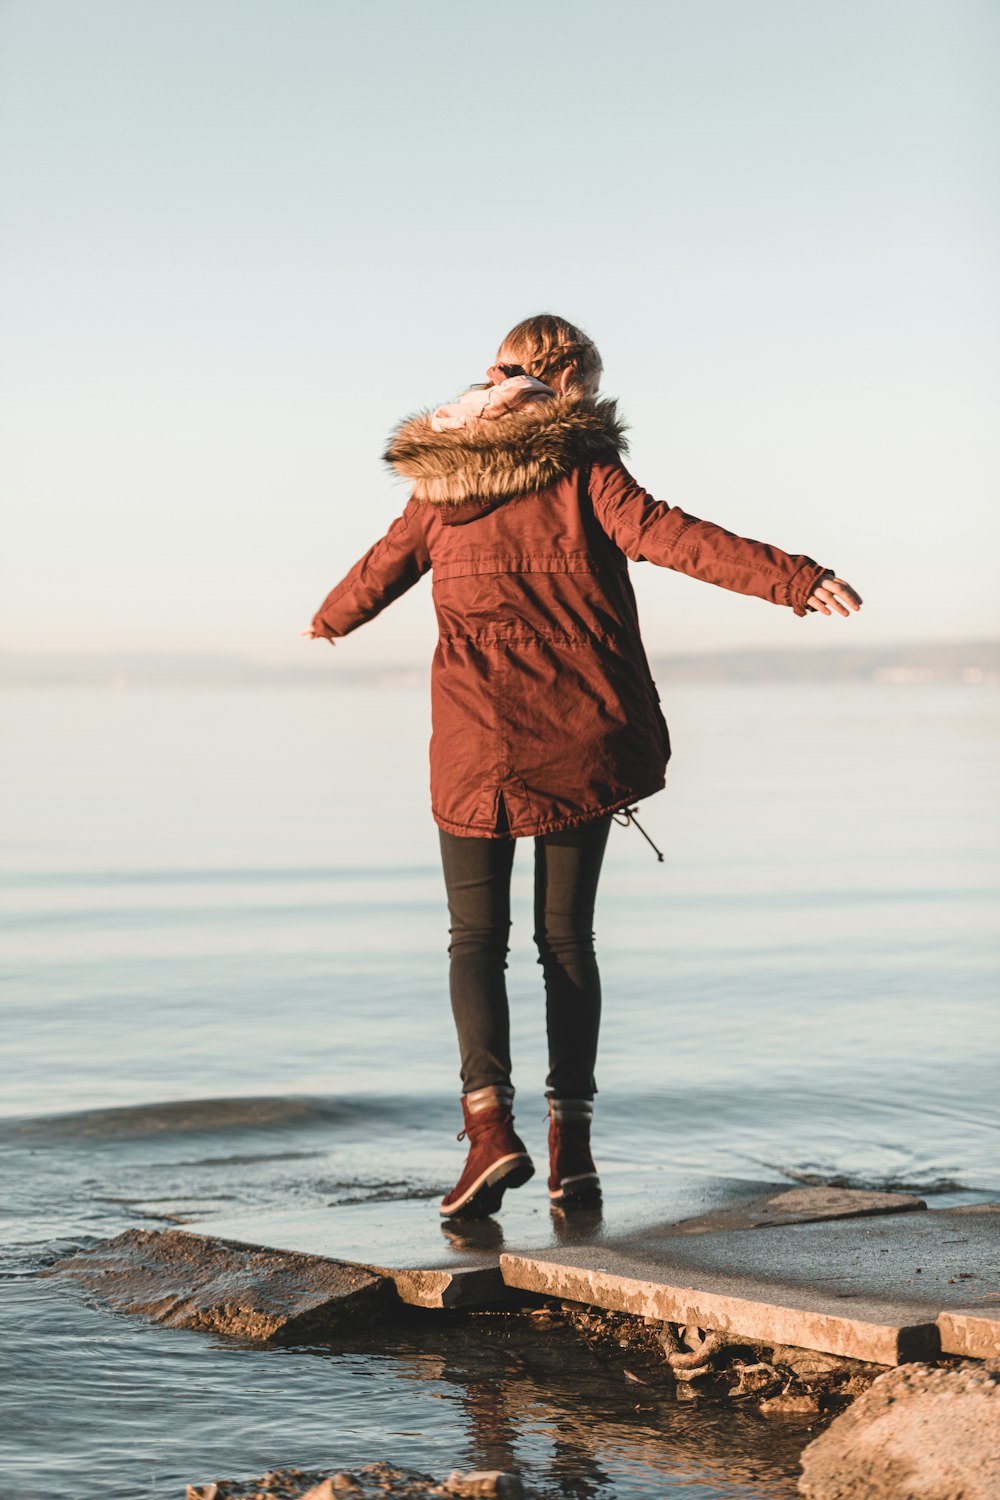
point(224, 986)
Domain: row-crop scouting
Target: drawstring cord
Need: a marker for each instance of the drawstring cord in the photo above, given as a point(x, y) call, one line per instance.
point(630, 817)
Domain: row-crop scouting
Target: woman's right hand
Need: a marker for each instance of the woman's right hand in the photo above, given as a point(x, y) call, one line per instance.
point(834, 596)
point(314, 635)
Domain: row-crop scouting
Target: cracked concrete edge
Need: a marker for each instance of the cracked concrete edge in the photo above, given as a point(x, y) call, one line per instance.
point(445, 1287)
point(196, 1281)
point(971, 1331)
point(473, 1286)
point(757, 1321)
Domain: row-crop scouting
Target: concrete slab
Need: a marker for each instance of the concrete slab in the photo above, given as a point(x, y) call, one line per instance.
point(868, 1289)
point(448, 1263)
point(870, 1286)
point(765, 1312)
point(399, 1241)
point(187, 1281)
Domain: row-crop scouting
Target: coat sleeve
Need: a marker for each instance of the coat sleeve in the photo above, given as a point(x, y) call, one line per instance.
point(649, 530)
point(388, 569)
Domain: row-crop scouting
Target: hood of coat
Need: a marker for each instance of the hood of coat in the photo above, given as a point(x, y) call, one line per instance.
point(476, 467)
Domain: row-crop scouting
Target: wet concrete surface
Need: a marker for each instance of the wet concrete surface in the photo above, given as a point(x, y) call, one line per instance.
point(437, 1262)
point(860, 1275)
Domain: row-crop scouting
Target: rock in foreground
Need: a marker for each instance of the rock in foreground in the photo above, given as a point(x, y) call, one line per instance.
point(915, 1434)
point(186, 1281)
point(373, 1482)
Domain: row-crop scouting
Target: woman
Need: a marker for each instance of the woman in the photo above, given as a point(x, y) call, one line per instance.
point(546, 719)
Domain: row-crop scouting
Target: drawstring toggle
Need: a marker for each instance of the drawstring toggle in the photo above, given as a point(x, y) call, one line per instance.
point(630, 817)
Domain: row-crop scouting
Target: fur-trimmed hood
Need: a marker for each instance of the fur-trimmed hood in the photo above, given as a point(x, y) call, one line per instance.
point(517, 454)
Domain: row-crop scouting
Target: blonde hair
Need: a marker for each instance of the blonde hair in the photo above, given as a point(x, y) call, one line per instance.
point(545, 345)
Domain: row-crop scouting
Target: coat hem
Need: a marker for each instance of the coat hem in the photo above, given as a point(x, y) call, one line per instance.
point(472, 830)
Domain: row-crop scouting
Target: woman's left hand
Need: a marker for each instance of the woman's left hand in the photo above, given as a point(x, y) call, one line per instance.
point(314, 635)
point(834, 596)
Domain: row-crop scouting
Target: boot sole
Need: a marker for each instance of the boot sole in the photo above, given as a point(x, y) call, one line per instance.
point(486, 1193)
point(583, 1189)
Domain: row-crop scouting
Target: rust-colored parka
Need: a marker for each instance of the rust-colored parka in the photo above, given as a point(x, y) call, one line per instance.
point(540, 687)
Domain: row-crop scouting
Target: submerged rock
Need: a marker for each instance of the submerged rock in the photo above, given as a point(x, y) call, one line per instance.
point(915, 1434)
point(488, 1483)
point(788, 1405)
point(759, 1379)
point(187, 1281)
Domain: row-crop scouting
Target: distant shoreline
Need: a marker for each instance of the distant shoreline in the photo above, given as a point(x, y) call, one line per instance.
point(969, 663)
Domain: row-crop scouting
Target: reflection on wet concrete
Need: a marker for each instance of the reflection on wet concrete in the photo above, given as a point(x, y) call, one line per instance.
point(579, 1225)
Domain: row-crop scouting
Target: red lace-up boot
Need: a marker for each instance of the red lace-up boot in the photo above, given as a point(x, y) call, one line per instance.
point(497, 1157)
point(572, 1175)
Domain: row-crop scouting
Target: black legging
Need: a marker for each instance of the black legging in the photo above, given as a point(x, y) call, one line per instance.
point(477, 877)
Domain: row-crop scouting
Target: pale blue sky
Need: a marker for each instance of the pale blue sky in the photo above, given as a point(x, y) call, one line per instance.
point(241, 239)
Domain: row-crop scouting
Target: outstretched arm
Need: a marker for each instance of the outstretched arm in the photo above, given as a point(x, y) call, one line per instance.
point(648, 530)
point(388, 569)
